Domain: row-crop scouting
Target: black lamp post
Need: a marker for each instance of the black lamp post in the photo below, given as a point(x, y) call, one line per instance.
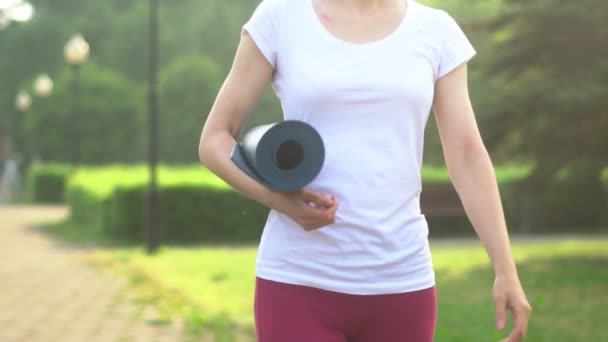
point(152, 231)
point(23, 102)
point(43, 87)
point(76, 53)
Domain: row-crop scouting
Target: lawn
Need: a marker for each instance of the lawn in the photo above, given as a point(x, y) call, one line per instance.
point(567, 284)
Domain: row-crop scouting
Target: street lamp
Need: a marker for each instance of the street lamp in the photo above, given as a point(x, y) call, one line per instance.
point(11, 180)
point(152, 235)
point(43, 85)
point(76, 53)
point(15, 10)
point(23, 101)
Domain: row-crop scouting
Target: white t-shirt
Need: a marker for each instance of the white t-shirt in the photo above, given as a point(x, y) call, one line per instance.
point(370, 102)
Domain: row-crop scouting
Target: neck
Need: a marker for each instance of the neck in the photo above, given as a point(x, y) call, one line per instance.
point(371, 4)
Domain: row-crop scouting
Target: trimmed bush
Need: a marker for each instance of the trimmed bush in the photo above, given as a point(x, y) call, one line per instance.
point(504, 174)
point(439, 193)
point(572, 201)
point(188, 213)
point(605, 183)
point(46, 183)
point(196, 205)
point(576, 198)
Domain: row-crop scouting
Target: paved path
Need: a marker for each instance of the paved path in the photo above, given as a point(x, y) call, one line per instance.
point(47, 294)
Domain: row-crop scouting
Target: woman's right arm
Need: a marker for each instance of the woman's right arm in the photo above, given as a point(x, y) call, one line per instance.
point(249, 75)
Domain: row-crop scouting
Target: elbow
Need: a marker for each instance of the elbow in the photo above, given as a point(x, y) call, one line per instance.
point(206, 143)
point(214, 145)
point(470, 152)
point(473, 151)
point(201, 154)
point(211, 148)
point(203, 150)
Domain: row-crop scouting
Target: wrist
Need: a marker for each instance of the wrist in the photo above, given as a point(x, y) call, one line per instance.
point(271, 198)
point(505, 270)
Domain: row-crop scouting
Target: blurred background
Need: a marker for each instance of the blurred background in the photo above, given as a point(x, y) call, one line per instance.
point(101, 108)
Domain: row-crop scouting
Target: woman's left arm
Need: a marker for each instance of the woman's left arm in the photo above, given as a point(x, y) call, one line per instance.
point(472, 174)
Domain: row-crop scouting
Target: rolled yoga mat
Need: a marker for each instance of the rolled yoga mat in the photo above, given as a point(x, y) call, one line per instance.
point(284, 156)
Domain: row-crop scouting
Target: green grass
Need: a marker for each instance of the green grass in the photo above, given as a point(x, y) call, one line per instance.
point(75, 233)
point(566, 283)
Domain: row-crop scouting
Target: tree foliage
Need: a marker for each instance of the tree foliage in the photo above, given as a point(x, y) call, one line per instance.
point(117, 32)
point(188, 88)
point(549, 62)
point(105, 128)
point(538, 82)
point(550, 70)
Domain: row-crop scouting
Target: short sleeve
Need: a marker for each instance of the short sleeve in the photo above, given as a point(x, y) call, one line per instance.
point(456, 49)
point(264, 27)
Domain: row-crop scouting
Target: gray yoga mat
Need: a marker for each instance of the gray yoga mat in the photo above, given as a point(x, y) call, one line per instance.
point(284, 156)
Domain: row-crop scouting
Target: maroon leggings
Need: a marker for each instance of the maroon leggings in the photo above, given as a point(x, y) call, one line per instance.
point(296, 313)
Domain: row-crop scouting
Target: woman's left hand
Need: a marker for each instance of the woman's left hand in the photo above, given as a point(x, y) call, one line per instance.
point(509, 294)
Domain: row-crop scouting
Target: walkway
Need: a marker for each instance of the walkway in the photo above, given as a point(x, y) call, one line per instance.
point(47, 294)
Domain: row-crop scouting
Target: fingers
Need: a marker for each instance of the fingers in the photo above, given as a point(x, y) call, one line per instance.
point(331, 210)
point(319, 200)
point(312, 218)
point(521, 315)
point(312, 210)
point(501, 312)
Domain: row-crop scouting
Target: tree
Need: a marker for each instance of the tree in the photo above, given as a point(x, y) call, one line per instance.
point(117, 33)
point(551, 68)
point(110, 129)
point(188, 87)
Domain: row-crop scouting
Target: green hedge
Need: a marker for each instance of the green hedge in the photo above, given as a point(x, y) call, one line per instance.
point(189, 212)
point(196, 205)
point(505, 175)
point(605, 183)
point(46, 183)
point(575, 203)
point(436, 179)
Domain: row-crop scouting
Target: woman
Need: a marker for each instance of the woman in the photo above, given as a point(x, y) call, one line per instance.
point(356, 265)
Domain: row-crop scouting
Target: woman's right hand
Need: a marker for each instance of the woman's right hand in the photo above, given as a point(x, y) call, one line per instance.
point(307, 208)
